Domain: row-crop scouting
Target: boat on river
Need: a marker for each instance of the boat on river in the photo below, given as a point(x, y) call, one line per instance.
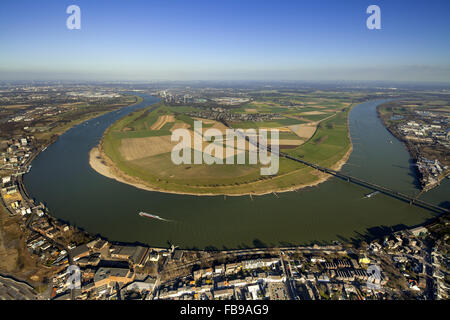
point(151, 216)
point(370, 195)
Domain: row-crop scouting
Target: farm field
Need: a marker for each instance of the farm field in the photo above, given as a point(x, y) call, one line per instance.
point(138, 147)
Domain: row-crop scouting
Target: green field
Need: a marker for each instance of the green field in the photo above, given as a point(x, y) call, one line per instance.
point(266, 124)
point(326, 147)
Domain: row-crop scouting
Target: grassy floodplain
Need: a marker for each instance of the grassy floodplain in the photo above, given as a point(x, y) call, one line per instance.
point(137, 147)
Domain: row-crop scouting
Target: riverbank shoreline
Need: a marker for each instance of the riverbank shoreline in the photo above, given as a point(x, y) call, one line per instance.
point(103, 165)
point(41, 148)
point(412, 151)
point(125, 191)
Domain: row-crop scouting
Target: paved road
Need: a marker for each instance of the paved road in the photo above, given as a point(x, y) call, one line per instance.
point(291, 291)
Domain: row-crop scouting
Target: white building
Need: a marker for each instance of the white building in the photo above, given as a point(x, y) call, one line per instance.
point(6, 179)
point(254, 289)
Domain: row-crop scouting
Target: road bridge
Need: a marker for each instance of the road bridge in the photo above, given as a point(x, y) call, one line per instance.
point(412, 200)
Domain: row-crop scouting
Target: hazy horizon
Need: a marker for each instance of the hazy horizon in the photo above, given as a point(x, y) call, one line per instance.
point(233, 40)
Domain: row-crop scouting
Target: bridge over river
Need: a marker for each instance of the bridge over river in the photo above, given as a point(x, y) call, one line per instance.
point(372, 186)
point(237, 222)
point(392, 193)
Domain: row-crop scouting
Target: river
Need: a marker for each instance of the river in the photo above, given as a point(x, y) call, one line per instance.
point(335, 210)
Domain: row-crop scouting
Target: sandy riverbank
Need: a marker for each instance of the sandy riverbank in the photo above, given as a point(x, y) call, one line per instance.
point(104, 166)
point(101, 163)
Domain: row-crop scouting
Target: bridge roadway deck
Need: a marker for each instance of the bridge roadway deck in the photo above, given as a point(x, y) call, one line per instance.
point(372, 186)
point(392, 193)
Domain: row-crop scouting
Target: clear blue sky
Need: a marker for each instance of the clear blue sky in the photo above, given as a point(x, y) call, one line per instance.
point(230, 39)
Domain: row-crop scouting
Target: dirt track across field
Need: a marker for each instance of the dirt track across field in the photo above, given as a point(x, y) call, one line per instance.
point(312, 113)
point(162, 120)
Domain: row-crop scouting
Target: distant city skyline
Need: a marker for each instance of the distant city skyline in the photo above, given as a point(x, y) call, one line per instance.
point(225, 40)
